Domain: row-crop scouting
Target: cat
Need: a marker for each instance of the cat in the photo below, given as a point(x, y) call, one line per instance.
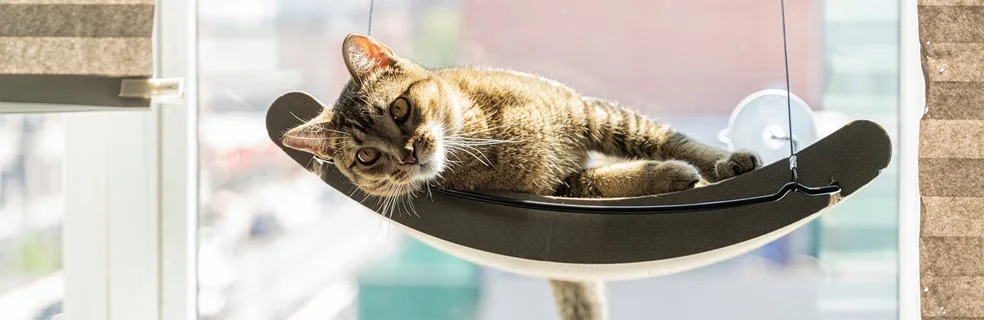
point(398, 127)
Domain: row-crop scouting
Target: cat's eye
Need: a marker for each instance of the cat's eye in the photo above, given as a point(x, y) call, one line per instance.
point(400, 110)
point(367, 155)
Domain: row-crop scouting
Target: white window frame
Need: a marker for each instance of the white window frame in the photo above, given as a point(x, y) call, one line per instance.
point(131, 186)
point(912, 103)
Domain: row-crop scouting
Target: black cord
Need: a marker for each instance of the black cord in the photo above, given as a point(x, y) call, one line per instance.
point(372, 4)
point(785, 56)
point(643, 209)
point(794, 177)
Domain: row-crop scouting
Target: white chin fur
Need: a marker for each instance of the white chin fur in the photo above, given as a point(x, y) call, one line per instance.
point(435, 165)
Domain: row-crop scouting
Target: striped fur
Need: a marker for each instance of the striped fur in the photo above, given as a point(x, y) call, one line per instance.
point(482, 128)
point(579, 300)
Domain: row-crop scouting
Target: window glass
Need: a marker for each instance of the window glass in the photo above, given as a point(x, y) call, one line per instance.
point(32, 152)
point(277, 243)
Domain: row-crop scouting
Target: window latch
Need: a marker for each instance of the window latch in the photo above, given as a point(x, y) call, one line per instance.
point(159, 88)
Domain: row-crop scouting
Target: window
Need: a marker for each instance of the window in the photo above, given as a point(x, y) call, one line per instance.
point(273, 242)
point(32, 210)
point(276, 243)
point(89, 221)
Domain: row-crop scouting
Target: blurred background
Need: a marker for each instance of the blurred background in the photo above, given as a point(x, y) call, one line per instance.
point(275, 243)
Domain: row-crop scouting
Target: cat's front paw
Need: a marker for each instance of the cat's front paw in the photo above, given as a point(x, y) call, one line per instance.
point(674, 175)
point(737, 163)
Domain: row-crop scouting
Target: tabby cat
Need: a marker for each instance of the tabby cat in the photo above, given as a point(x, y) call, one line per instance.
point(398, 127)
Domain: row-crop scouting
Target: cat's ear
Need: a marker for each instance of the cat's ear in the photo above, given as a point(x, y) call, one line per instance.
point(364, 55)
point(312, 137)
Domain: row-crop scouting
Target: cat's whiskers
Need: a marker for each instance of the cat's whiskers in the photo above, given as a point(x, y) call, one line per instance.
point(358, 190)
point(428, 184)
point(393, 200)
point(468, 142)
point(365, 199)
point(378, 200)
point(396, 197)
point(408, 195)
point(298, 118)
point(467, 145)
point(409, 198)
point(317, 125)
point(455, 150)
point(387, 201)
point(449, 165)
point(466, 148)
point(457, 147)
point(441, 175)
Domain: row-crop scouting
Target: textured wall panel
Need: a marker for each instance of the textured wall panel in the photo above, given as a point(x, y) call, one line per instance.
point(76, 37)
point(951, 159)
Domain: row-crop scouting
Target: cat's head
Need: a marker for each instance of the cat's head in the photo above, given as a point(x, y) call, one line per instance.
point(386, 131)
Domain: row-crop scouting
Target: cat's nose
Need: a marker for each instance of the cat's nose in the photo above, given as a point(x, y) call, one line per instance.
point(410, 156)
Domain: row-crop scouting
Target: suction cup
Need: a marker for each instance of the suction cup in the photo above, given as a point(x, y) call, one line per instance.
point(760, 122)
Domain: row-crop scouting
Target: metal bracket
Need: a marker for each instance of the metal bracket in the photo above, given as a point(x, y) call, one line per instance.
point(152, 88)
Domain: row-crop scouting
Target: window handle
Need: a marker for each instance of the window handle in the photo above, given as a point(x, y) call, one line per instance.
point(157, 88)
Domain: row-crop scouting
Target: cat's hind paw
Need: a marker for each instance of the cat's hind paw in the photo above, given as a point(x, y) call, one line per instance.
point(674, 175)
point(737, 163)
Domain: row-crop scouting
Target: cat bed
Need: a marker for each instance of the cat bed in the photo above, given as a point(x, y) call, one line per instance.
point(619, 239)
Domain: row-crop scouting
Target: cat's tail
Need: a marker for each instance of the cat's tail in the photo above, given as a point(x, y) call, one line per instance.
point(621, 132)
point(579, 300)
